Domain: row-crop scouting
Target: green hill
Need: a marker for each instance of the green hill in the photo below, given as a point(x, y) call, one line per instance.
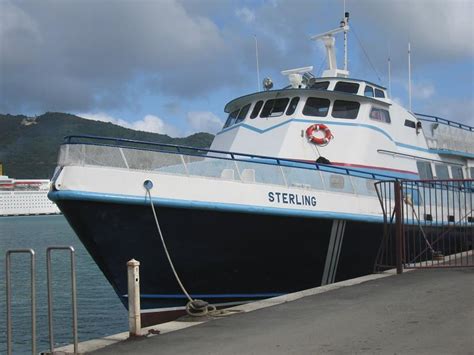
point(29, 147)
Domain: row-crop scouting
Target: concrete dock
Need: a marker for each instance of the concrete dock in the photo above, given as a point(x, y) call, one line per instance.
point(419, 312)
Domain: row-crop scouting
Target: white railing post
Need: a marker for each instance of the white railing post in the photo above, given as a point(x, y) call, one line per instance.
point(134, 319)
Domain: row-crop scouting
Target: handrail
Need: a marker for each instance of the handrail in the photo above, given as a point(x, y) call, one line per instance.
point(199, 152)
point(444, 121)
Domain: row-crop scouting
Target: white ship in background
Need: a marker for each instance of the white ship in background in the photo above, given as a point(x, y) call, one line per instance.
point(25, 197)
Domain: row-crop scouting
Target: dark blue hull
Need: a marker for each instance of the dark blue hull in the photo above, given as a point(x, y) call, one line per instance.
point(221, 257)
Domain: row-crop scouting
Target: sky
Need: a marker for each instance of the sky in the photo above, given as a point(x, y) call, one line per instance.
point(170, 66)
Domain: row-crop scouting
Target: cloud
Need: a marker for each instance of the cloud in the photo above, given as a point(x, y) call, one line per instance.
point(422, 91)
point(89, 56)
point(203, 121)
point(149, 123)
point(245, 14)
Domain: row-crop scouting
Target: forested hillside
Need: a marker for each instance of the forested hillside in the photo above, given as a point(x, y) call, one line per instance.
point(29, 147)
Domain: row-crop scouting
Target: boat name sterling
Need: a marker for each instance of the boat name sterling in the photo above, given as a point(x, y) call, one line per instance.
point(291, 199)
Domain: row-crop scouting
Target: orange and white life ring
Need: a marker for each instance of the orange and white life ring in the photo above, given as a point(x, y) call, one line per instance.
point(319, 140)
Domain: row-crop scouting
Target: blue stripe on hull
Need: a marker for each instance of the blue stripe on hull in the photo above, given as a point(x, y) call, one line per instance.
point(216, 206)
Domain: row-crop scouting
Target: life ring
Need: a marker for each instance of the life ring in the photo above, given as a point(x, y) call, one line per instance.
point(316, 128)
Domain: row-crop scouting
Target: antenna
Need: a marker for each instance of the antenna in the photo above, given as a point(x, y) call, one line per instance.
point(258, 69)
point(409, 76)
point(389, 77)
point(345, 24)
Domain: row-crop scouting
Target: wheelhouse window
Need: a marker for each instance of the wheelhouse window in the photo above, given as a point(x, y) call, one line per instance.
point(424, 170)
point(316, 106)
point(345, 109)
point(369, 91)
point(274, 107)
point(322, 85)
point(242, 114)
point(231, 119)
point(379, 93)
point(456, 172)
point(344, 86)
point(379, 114)
point(256, 109)
point(442, 172)
point(292, 107)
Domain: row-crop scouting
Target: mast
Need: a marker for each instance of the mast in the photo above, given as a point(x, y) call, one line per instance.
point(389, 78)
point(345, 24)
point(409, 77)
point(258, 69)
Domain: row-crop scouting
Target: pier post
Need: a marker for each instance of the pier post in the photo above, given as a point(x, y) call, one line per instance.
point(134, 318)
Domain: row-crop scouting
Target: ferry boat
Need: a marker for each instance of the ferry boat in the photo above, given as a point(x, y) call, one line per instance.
point(284, 199)
point(25, 197)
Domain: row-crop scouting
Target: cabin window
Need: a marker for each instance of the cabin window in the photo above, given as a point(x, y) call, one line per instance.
point(345, 109)
point(322, 85)
point(292, 107)
point(274, 107)
point(379, 114)
point(231, 119)
point(256, 109)
point(424, 170)
point(369, 91)
point(316, 106)
point(456, 172)
point(410, 124)
point(242, 114)
point(379, 93)
point(472, 172)
point(344, 86)
point(442, 172)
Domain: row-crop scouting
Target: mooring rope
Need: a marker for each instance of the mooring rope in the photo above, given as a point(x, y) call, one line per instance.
point(194, 307)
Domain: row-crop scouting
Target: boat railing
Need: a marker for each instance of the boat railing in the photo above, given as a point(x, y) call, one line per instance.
point(214, 164)
point(223, 155)
point(436, 119)
point(446, 136)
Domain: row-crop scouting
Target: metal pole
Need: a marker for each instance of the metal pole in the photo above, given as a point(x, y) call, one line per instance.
point(133, 278)
point(398, 227)
point(9, 297)
point(258, 68)
point(73, 296)
point(389, 78)
point(409, 77)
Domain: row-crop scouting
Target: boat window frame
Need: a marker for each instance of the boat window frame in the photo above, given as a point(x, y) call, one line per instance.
point(375, 108)
point(273, 104)
point(245, 109)
point(458, 168)
point(306, 113)
point(291, 110)
point(371, 90)
point(410, 124)
point(256, 109)
point(445, 171)
point(378, 95)
point(421, 172)
point(324, 85)
point(345, 117)
point(348, 83)
point(228, 122)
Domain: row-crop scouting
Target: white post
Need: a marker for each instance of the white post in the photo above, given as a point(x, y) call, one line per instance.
point(258, 69)
point(134, 319)
point(389, 78)
point(409, 77)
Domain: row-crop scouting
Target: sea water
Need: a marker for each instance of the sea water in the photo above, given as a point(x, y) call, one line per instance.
point(100, 312)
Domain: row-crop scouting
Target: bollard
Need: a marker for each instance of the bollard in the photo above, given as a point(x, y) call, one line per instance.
point(134, 318)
